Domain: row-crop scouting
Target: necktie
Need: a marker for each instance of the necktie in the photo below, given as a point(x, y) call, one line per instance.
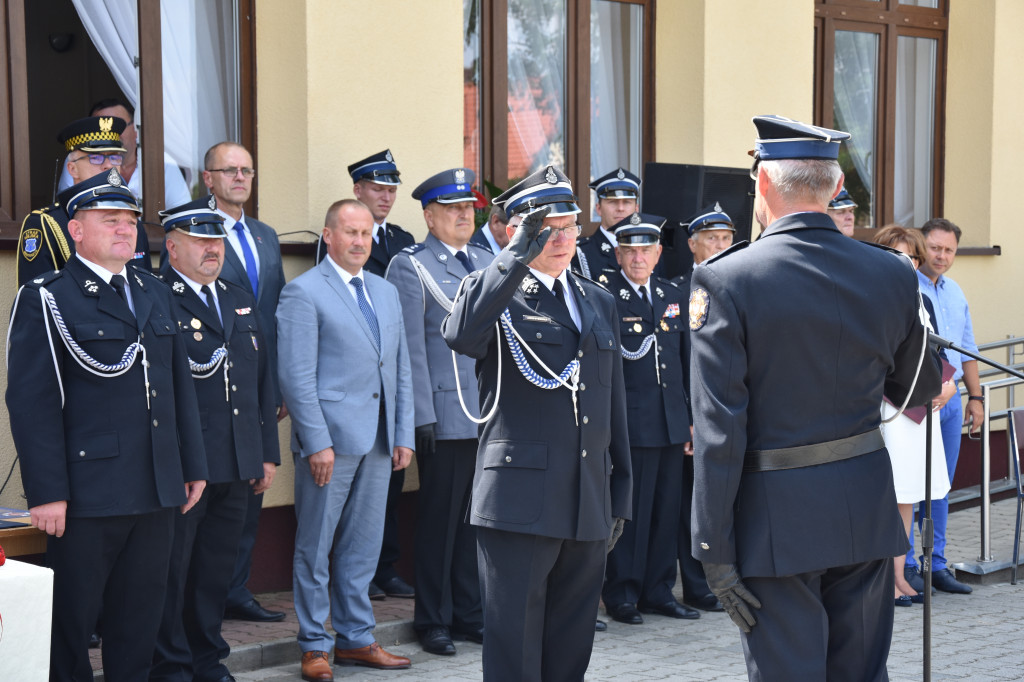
point(205, 290)
point(250, 259)
point(464, 259)
point(646, 300)
point(560, 295)
point(117, 281)
point(364, 307)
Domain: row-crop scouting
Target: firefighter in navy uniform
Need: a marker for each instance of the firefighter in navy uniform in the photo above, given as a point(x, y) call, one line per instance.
point(795, 339)
point(617, 194)
point(552, 482)
point(105, 422)
point(641, 570)
point(232, 375)
point(44, 245)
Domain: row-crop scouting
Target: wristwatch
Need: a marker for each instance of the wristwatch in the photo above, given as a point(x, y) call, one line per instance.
point(976, 397)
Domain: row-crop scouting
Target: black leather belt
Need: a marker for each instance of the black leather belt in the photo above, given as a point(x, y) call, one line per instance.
point(812, 455)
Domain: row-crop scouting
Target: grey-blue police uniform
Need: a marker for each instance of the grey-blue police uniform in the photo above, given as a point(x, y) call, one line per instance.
point(599, 255)
point(45, 245)
point(801, 333)
point(239, 420)
point(447, 581)
point(119, 457)
point(642, 567)
point(546, 487)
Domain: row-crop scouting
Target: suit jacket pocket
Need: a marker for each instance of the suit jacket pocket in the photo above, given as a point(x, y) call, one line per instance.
point(510, 481)
point(606, 347)
point(91, 458)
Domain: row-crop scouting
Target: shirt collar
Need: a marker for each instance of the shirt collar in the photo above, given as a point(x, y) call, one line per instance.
point(229, 222)
point(610, 236)
point(196, 286)
point(346, 276)
point(636, 287)
point(549, 281)
point(101, 271)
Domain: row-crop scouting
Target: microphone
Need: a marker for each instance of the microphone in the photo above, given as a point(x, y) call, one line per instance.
point(939, 342)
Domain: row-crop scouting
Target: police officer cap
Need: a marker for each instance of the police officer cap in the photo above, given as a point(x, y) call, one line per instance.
point(93, 134)
point(619, 184)
point(106, 190)
point(379, 168)
point(197, 218)
point(447, 187)
point(842, 200)
point(547, 187)
point(639, 229)
point(711, 217)
point(783, 138)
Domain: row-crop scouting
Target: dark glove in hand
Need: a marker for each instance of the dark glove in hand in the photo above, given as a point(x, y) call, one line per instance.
point(529, 238)
point(616, 532)
point(724, 581)
point(425, 439)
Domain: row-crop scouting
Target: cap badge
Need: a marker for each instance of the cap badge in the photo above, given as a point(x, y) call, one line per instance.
point(635, 219)
point(106, 123)
point(620, 175)
point(114, 178)
point(718, 207)
point(178, 288)
point(699, 302)
point(212, 203)
point(550, 176)
point(388, 157)
point(460, 175)
point(623, 294)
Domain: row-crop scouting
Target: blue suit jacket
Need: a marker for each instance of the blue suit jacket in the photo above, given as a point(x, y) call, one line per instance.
point(333, 376)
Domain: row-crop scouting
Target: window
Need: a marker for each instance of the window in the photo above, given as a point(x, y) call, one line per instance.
point(564, 82)
point(879, 75)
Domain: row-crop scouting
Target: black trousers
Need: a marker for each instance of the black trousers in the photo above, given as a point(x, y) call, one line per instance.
point(119, 564)
point(447, 577)
point(239, 593)
point(691, 572)
point(642, 567)
point(189, 645)
point(834, 625)
point(540, 596)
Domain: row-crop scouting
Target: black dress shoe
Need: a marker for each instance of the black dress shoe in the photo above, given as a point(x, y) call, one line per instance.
point(945, 581)
point(904, 600)
point(625, 613)
point(376, 594)
point(251, 610)
point(704, 602)
point(437, 640)
point(396, 587)
point(672, 609)
point(94, 641)
point(600, 626)
point(470, 634)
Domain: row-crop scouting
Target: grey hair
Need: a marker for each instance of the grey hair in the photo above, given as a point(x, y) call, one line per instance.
point(804, 179)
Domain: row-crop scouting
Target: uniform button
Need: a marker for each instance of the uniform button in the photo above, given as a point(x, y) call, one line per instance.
point(99, 333)
point(501, 267)
point(153, 392)
point(584, 453)
point(586, 419)
point(235, 411)
point(660, 349)
point(142, 335)
point(539, 335)
point(583, 387)
point(382, 363)
point(663, 365)
point(664, 385)
point(156, 423)
point(375, 395)
point(81, 453)
point(610, 343)
point(231, 364)
point(507, 458)
point(579, 354)
point(704, 545)
point(234, 388)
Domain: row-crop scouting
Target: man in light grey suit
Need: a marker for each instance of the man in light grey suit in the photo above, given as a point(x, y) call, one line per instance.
point(252, 260)
point(427, 276)
point(348, 384)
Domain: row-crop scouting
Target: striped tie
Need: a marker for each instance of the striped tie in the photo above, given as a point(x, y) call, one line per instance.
point(364, 307)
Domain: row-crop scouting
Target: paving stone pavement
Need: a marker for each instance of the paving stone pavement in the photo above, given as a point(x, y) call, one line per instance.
point(974, 637)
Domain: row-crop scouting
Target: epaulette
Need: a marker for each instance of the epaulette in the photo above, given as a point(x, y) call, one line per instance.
point(668, 282)
point(474, 245)
point(142, 271)
point(224, 285)
point(738, 246)
point(45, 278)
point(397, 227)
point(415, 248)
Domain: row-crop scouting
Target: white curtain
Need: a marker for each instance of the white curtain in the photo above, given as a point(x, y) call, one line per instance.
point(113, 27)
point(915, 129)
point(616, 35)
point(855, 100)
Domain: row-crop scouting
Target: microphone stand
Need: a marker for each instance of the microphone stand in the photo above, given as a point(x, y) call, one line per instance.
point(927, 529)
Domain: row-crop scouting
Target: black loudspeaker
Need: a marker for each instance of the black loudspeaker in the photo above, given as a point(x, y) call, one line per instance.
point(678, 191)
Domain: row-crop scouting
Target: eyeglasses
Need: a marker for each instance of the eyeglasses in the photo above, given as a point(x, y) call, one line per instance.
point(753, 168)
point(232, 171)
point(570, 232)
point(100, 159)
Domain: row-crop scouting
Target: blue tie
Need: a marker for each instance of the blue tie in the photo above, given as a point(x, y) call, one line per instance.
point(364, 307)
point(464, 259)
point(250, 259)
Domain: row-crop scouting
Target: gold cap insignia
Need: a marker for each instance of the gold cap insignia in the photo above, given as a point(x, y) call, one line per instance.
point(106, 123)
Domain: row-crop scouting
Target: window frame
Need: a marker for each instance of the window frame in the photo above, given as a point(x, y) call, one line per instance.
point(890, 19)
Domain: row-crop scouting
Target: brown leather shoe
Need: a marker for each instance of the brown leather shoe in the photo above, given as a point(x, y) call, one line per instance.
point(372, 656)
point(316, 668)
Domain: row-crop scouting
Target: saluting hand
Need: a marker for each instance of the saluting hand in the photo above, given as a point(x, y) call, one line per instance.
point(529, 238)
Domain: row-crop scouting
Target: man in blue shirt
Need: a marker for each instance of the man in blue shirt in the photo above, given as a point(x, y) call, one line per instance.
point(953, 323)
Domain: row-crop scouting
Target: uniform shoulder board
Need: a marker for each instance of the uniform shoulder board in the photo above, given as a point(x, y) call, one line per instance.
point(738, 246)
point(397, 228)
point(225, 285)
point(144, 272)
point(474, 245)
point(46, 278)
point(582, 241)
point(415, 248)
point(665, 282)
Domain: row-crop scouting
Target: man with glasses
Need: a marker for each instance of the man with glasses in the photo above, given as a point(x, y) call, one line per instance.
point(553, 479)
point(44, 245)
point(252, 259)
point(427, 277)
